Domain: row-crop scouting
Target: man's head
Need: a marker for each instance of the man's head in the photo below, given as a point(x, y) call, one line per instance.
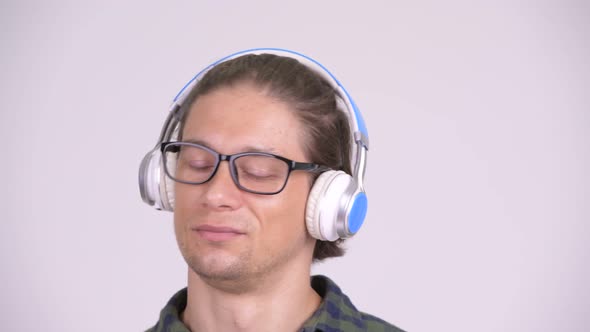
point(238, 161)
point(315, 127)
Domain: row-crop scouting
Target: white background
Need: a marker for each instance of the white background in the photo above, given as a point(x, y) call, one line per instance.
point(479, 118)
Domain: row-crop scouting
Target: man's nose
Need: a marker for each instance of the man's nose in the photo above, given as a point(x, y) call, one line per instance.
point(221, 192)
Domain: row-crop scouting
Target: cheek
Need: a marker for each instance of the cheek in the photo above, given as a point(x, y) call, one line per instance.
point(179, 228)
point(283, 215)
point(185, 200)
point(180, 196)
point(183, 203)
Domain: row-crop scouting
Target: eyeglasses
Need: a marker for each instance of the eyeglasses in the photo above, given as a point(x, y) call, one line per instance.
point(254, 172)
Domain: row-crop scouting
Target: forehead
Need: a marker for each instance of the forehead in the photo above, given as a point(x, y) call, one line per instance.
point(243, 117)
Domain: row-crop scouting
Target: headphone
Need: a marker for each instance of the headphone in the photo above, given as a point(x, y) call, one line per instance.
point(337, 203)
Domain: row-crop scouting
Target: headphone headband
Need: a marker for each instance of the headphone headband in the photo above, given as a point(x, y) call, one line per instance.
point(356, 116)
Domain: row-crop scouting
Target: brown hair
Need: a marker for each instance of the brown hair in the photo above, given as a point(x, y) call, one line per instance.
point(327, 137)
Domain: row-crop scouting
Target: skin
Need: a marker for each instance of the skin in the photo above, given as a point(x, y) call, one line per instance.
point(249, 255)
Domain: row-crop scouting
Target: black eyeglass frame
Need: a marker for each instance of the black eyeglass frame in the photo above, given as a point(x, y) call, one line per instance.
point(230, 158)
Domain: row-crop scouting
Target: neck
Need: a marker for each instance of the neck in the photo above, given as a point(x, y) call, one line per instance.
point(282, 301)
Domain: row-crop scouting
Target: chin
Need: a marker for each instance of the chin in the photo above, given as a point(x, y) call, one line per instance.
point(218, 267)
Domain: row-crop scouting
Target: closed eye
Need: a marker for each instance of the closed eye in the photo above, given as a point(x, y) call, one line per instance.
point(257, 174)
point(200, 165)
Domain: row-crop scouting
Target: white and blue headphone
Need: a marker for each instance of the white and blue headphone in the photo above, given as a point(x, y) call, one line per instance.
point(337, 203)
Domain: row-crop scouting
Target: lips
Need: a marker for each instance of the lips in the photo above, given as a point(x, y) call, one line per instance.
point(217, 233)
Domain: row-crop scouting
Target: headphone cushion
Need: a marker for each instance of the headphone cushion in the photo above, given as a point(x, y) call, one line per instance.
point(149, 177)
point(167, 192)
point(322, 205)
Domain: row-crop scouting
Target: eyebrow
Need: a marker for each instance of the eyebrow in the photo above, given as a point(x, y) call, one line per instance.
point(247, 148)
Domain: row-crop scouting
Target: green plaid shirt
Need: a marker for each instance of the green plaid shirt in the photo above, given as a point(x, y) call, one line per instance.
point(335, 314)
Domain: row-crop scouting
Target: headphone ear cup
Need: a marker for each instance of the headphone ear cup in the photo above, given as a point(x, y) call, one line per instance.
point(313, 200)
point(149, 177)
point(323, 205)
point(166, 189)
point(167, 193)
point(155, 187)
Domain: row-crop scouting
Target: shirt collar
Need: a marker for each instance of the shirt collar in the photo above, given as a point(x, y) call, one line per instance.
point(336, 311)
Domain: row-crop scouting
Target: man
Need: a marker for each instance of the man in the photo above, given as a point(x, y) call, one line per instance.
point(256, 159)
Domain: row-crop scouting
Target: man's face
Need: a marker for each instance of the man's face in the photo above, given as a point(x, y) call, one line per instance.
point(225, 233)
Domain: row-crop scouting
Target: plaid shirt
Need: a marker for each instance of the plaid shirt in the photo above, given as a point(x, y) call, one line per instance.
point(335, 314)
